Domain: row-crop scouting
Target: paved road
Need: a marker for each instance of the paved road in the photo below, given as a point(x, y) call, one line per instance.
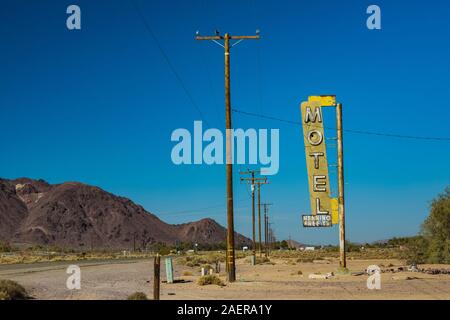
point(11, 269)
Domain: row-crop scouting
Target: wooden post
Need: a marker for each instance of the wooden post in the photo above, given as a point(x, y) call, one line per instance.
point(341, 206)
point(156, 276)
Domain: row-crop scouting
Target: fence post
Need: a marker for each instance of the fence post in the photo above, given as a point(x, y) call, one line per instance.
point(156, 276)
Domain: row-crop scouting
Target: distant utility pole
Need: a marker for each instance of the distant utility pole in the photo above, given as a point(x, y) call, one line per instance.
point(271, 238)
point(258, 184)
point(266, 228)
point(252, 182)
point(230, 218)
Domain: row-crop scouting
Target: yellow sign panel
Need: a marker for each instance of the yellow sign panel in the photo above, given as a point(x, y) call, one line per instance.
point(334, 211)
point(316, 157)
point(325, 101)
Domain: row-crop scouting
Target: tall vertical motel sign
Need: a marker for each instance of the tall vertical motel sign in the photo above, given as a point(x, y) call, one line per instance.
point(324, 208)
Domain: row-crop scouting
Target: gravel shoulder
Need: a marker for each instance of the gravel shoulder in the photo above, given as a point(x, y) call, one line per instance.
point(106, 280)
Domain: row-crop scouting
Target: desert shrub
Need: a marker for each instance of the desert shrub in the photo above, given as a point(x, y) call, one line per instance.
point(415, 250)
point(240, 255)
point(263, 260)
point(202, 259)
point(352, 247)
point(436, 229)
point(5, 247)
point(11, 290)
point(210, 279)
point(433, 243)
point(290, 262)
point(137, 296)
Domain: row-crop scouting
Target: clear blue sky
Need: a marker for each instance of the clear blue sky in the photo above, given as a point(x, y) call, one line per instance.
point(99, 105)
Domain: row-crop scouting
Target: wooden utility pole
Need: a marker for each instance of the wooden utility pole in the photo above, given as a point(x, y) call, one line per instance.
point(341, 206)
point(266, 228)
point(270, 237)
point(252, 181)
point(156, 276)
point(231, 268)
point(259, 183)
point(266, 240)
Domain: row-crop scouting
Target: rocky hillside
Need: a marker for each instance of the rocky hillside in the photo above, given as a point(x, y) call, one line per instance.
point(76, 215)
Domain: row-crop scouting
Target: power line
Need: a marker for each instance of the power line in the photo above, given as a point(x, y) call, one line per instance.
point(174, 213)
point(346, 130)
point(169, 63)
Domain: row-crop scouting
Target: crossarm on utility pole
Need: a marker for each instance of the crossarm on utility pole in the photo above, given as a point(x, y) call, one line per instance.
point(208, 38)
point(245, 37)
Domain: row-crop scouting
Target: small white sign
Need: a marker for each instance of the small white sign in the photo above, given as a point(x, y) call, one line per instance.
point(317, 221)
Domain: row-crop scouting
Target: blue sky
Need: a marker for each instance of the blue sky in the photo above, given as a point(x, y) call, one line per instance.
point(99, 105)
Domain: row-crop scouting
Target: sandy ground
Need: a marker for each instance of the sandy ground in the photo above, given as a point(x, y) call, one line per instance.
point(117, 280)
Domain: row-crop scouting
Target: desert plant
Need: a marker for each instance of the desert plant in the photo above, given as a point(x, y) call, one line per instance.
point(137, 296)
point(5, 247)
point(11, 290)
point(210, 279)
point(262, 260)
point(436, 229)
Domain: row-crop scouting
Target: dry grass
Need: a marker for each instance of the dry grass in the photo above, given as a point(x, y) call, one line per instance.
point(210, 279)
point(33, 257)
point(202, 259)
point(137, 296)
point(263, 260)
point(11, 290)
point(324, 254)
point(187, 273)
point(290, 262)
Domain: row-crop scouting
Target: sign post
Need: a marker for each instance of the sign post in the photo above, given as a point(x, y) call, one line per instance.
point(340, 152)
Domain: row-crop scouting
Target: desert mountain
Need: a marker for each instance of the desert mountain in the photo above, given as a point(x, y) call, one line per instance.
point(77, 215)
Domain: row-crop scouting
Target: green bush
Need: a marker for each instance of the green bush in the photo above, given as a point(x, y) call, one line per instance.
point(11, 290)
point(436, 229)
